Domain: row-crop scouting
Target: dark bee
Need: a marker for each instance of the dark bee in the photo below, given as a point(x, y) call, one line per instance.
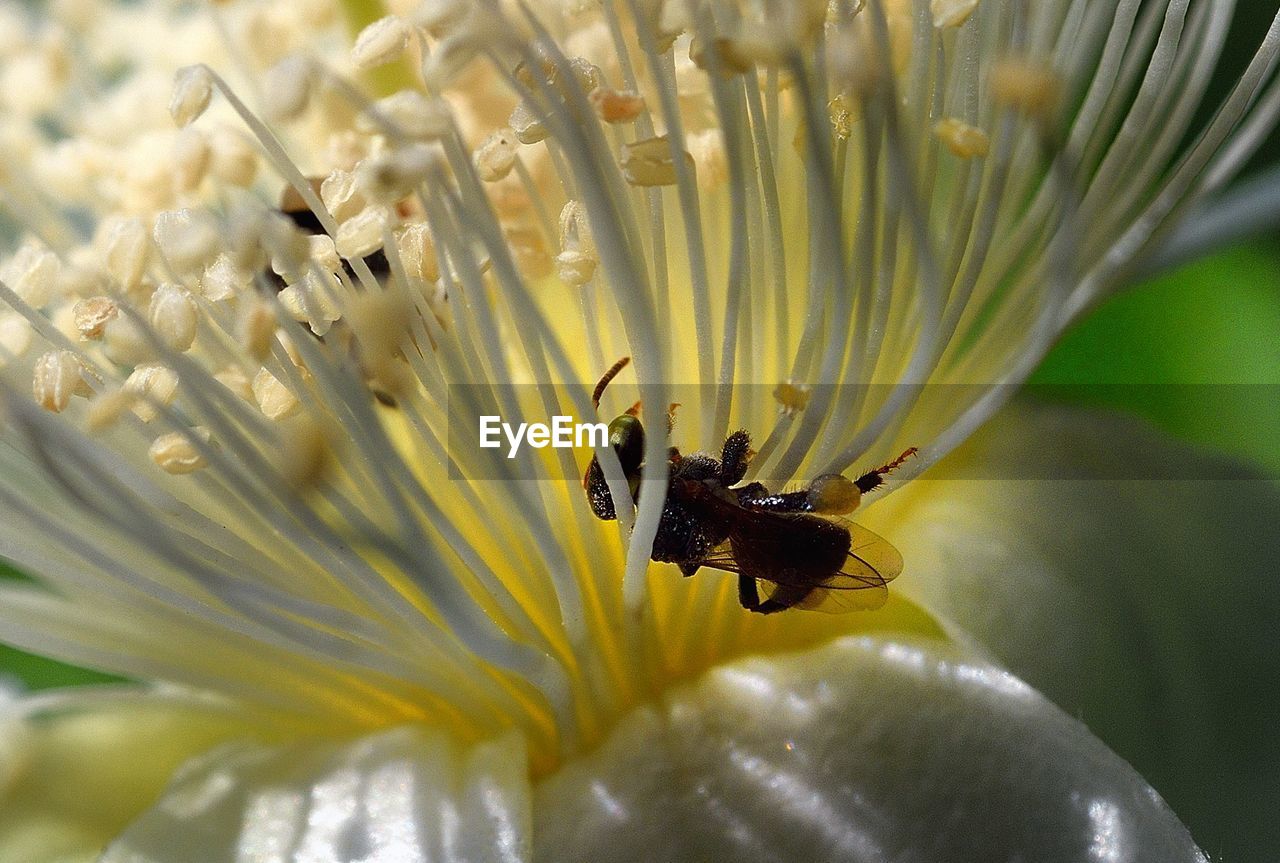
point(788, 546)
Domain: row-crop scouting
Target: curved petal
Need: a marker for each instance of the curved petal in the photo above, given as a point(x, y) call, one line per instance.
point(1146, 608)
point(77, 765)
point(408, 795)
point(863, 750)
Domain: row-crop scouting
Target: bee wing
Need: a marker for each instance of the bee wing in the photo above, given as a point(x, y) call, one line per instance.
point(872, 561)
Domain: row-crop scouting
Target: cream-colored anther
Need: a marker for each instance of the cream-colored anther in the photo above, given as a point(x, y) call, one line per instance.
point(440, 17)
point(233, 160)
point(223, 280)
point(285, 338)
point(174, 316)
point(15, 337)
point(192, 158)
point(124, 343)
point(413, 114)
point(418, 252)
point(91, 316)
point(526, 125)
point(176, 453)
point(286, 88)
point(951, 13)
point(730, 58)
point(187, 239)
point(33, 274)
point(323, 253)
point(256, 328)
point(312, 301)
point(106, 408)
point(151, 385)
point(576, 264)
point(192, 90)
point(649, 162)
point(341, 195)
point(965, 141)
point(840, 109)
point(1026, 85)
point(393, 175)
point(234, 379)
point(58, 375)
point(274, 398)
point(128, 252)
point(380, 43)
point(616, 106)
point(290, 248)
point(451, 56)
point(833, 494)
point(496, 156)
point(362, 233)
point(791, 397)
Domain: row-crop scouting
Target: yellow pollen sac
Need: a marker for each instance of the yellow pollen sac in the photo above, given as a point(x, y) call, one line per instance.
point(649, 162)
point(526, 125)
point(175, 453)
point(174, 316)
point(56, 378)
point(152, 384)
point(832, 494)
point(106, 408)
point(91, 316)
point(495, 158)
point(380, 43)
point(192, 90)
point(274, 398)
point(792, 397)
point(616, 106)
point(1027, 86)
point(965, 141)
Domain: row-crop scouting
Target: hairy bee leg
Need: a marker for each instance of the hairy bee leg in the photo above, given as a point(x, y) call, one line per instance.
point(734, 457)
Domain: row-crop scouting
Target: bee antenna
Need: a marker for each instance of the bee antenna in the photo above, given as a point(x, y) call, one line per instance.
point(608, 377)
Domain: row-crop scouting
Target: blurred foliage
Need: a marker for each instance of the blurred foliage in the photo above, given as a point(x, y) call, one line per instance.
point(1198, 351)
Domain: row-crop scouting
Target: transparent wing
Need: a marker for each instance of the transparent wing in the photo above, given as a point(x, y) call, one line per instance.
point(859, 585)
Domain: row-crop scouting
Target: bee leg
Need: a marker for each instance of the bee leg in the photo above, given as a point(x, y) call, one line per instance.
point(734, 457)
point(748, 592)
point(783, 598)
point(875, 478)
point(689, 568)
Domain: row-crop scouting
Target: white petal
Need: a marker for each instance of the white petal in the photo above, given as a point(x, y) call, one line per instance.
point(1147, 608)
point(408, 795)
point(864, 750)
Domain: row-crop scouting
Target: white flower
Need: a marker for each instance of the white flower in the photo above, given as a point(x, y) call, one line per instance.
point(856, 227)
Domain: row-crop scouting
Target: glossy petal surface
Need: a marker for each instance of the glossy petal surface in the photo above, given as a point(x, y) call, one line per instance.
point(864, 750)
point(402, 796)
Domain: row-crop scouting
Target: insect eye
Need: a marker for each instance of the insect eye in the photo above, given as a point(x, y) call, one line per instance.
point(626, 434)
